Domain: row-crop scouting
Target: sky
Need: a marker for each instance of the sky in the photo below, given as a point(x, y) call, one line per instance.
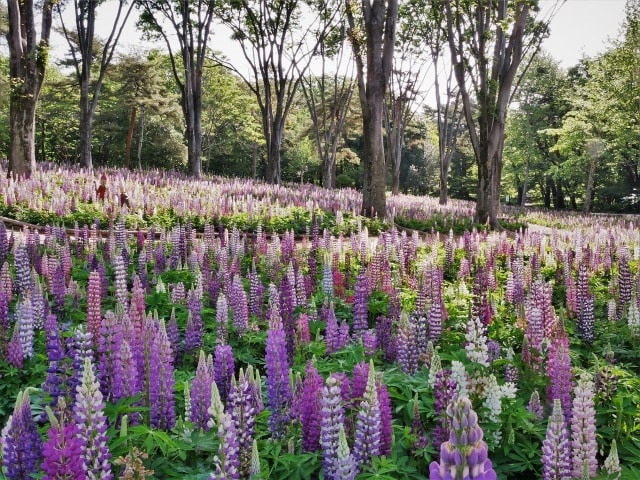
point(583, 27)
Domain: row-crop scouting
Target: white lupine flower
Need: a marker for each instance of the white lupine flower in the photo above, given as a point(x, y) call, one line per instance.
point(633, 319)
point(459, 375)
point(476, 347)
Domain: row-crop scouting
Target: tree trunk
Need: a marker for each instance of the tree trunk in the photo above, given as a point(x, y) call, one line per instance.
point(140, 140)
point(254, 167)
point(444, 189)
point(274, 174)
point(22, 156)
point(558, 198)
point(193, 117)
point(374, 201)
point(127, 148)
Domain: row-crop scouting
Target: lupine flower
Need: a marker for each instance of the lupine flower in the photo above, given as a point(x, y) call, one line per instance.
point(360, 304)
point(201, 393)
point(14, 349)
point(88, 411)
point(161, 380)
point(345, 464)
point(406, 347)
point(535, 406)
point(222, 319)
point(55, 355)
point(226, 461)
point(277, 366)
point(21, 442)
point(223, 370)
point(193, 335)
point(417, 428)
point(386, 430)
point(238, 300)
point(120, 283)
point(584, 448)
point(612, 462)
point(94, 299)
point(243, 413)
point(465, 454)
point(310, 405)
point(25, 320)
point(476, 345)
point(368, 427)
point(559, 374)
point(444, 391)
point(24, 279)
point(79, 348)
point(62, 451)
point(333, 417)
point(556, 455)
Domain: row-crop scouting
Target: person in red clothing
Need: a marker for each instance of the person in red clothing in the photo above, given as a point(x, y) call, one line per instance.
point(101, 190)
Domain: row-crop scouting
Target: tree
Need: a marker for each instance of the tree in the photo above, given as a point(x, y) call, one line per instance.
point(328, 96)
point(277, 48)
point(372, 34)
point(84, 51)
point(190, 21)
point(487, 42)
point(27, 64)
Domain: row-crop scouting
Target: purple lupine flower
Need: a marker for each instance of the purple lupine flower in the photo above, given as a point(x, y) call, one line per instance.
point(256, 293)
point(417, 428)
point(6, 281)
point(24, 279)
point(303, 336)
point(559, 373)
point(534, 335)
point(243, 412)
point(368, 427)
point(332, 331)
point(126, 378)
point(556, 455)
point(79, 347)
point(360, 304)
point(386, 430)
point(25, 320)
point(585, 319)
point(238, 301)
point(94, 302)
point(21, 442)
point(4, 243)
point(625, 285)
point(277, 366)
point(161, 380)
point(226, 461)
point(360, 379)
point(223, 370)
point(120, 283)
point(385, 338)
point(332, 420)
point(89, 417)
point(584, 448)
point(55, 355)
point(444, 391)
point(109, 341)
point(62, 454)
point(535, 406)
point(345, 467)
point(201, 393)
point(136, 305)
point(406, 348)
point(465, 454)
point(287, 298)
point(369, 342)
point(310, 409)
point(436, 315)
point(14, 349)
point(222, 319)
point(327, 277)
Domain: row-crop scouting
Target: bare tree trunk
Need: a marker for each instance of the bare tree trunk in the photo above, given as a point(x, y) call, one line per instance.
point(129, 141)
point(374, 201)
point(254, 167)
point(22, 155)
point(594, 153)
point(140, 140)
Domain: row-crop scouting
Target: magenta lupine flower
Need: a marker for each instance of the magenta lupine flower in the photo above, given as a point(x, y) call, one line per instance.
point(161, 380)
point(62, 454)
point(89, 417)
point(243, 413)
point(201, 393)
point(21, 442)
point(223, 370)
point(310, 409)
point(227, 462)
point(386, 430)
point(465, 454)
point(559, 373)
point(332, 420)
point(94, 302)
point(368, 427)
point(277, 366)
point(238, 301)
point(556, 455)
point(360, 304)
point(584, 448)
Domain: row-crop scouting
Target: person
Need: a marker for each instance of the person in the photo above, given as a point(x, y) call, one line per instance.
point(101, 190)
point(124, 198)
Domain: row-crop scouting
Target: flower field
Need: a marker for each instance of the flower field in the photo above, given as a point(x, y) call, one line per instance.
point(196, 350)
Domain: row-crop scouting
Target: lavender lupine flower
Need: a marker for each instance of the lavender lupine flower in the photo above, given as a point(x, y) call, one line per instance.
point(55, 355)
point(535, 406)
point(585, 319)
point(109, 341)
point(223, 370)
point(584, 448)
point(24, 279)
point(333, 417)
point(287, 306)
point(226, 461)
point(79, 348)
point(625, 285)
point(444, 392)
point(94, 302)
point(25, 320)
point(465, 454)
point(14, 349)
point(327, 277)
point(360, 304)
point(137, 306)
point(534, 335)
point(256, 293)
point(511, 373)
point(369, 342)
point(194, 332)
point(126, 377)
point(386, 430)
point(368, 423)
point(559, 374)
point(385, 338)
point(345, 464)
point(556, 455)
point(310, 405)
point(238, 300)
point(303, 336)
point(120, 283)
point(332, 330)
point(89, 417)
point(201, 393)
point(161, 380)
point(38, 304)
point(222, 319)
point(435, 315)
point(21, 442)
point(277, 366)
point(406, 348)
point(243, 413)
